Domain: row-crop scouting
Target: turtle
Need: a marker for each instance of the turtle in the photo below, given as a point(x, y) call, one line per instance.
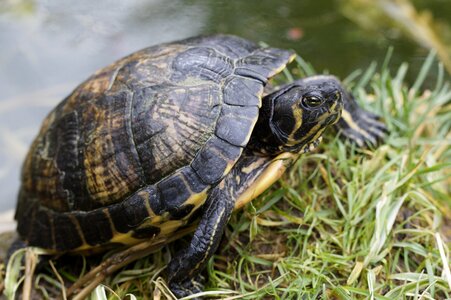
point(171, 135)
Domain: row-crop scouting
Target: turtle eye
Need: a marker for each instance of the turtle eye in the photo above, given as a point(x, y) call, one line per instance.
point(312, 101)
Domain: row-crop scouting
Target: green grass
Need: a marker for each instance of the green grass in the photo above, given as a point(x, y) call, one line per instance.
point(343, 223)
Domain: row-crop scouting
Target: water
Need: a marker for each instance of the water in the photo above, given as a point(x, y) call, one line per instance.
point(47, 47)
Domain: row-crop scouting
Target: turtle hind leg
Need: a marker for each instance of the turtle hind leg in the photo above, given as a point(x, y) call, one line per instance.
point(16, 245)
point(358, 125)
point(19, 244)
point(184, 268)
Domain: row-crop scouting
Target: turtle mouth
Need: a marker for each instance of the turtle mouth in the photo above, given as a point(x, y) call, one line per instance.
point(312, 145)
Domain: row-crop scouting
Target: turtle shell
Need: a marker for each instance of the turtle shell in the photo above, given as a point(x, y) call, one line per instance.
point(169, 121)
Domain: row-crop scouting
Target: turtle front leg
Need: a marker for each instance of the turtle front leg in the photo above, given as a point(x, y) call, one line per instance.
point(184, 268)
point(359, 125)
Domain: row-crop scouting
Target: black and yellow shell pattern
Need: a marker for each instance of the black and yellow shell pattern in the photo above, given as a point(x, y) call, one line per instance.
point(136, 148)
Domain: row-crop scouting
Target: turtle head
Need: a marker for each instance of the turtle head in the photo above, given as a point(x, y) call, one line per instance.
point(298, 113)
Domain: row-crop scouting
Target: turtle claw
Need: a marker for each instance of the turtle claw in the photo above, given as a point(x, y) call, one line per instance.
point(366, 134)
point(360, 126)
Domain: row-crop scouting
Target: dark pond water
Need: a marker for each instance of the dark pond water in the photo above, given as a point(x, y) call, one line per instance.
point(48, 46)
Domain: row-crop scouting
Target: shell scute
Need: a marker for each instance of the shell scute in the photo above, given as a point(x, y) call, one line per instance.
point(242, 91)
point(202, 62)
point(235, 124)
point(215, 159)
